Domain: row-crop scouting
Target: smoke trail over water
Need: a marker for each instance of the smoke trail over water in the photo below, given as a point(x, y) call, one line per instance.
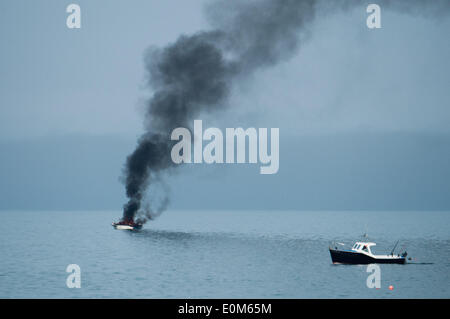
point(194, 75)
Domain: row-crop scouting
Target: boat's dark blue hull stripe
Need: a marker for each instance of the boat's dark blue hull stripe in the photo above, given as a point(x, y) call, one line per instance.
point(350, 257)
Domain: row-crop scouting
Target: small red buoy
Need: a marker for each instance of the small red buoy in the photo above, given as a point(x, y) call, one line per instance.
point(391, 287)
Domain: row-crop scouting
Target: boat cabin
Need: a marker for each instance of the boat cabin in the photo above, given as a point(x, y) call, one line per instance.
point(363, 247)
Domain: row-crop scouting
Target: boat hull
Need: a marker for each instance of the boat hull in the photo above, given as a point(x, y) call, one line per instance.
point(127, 227)
point(349, 257)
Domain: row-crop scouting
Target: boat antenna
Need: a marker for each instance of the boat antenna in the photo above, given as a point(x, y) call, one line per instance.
point(365, 235)
point(392, 252)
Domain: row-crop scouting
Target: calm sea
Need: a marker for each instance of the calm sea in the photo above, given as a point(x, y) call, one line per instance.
point(219, 254)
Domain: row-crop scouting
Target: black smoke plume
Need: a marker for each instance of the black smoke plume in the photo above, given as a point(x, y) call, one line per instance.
point(194, 74)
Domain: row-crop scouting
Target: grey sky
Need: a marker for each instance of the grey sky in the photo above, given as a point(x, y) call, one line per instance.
point(72, 98)
point(90, 81)
point(56, 80)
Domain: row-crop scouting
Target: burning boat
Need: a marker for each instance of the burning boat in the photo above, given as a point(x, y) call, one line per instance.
point(127, 224)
